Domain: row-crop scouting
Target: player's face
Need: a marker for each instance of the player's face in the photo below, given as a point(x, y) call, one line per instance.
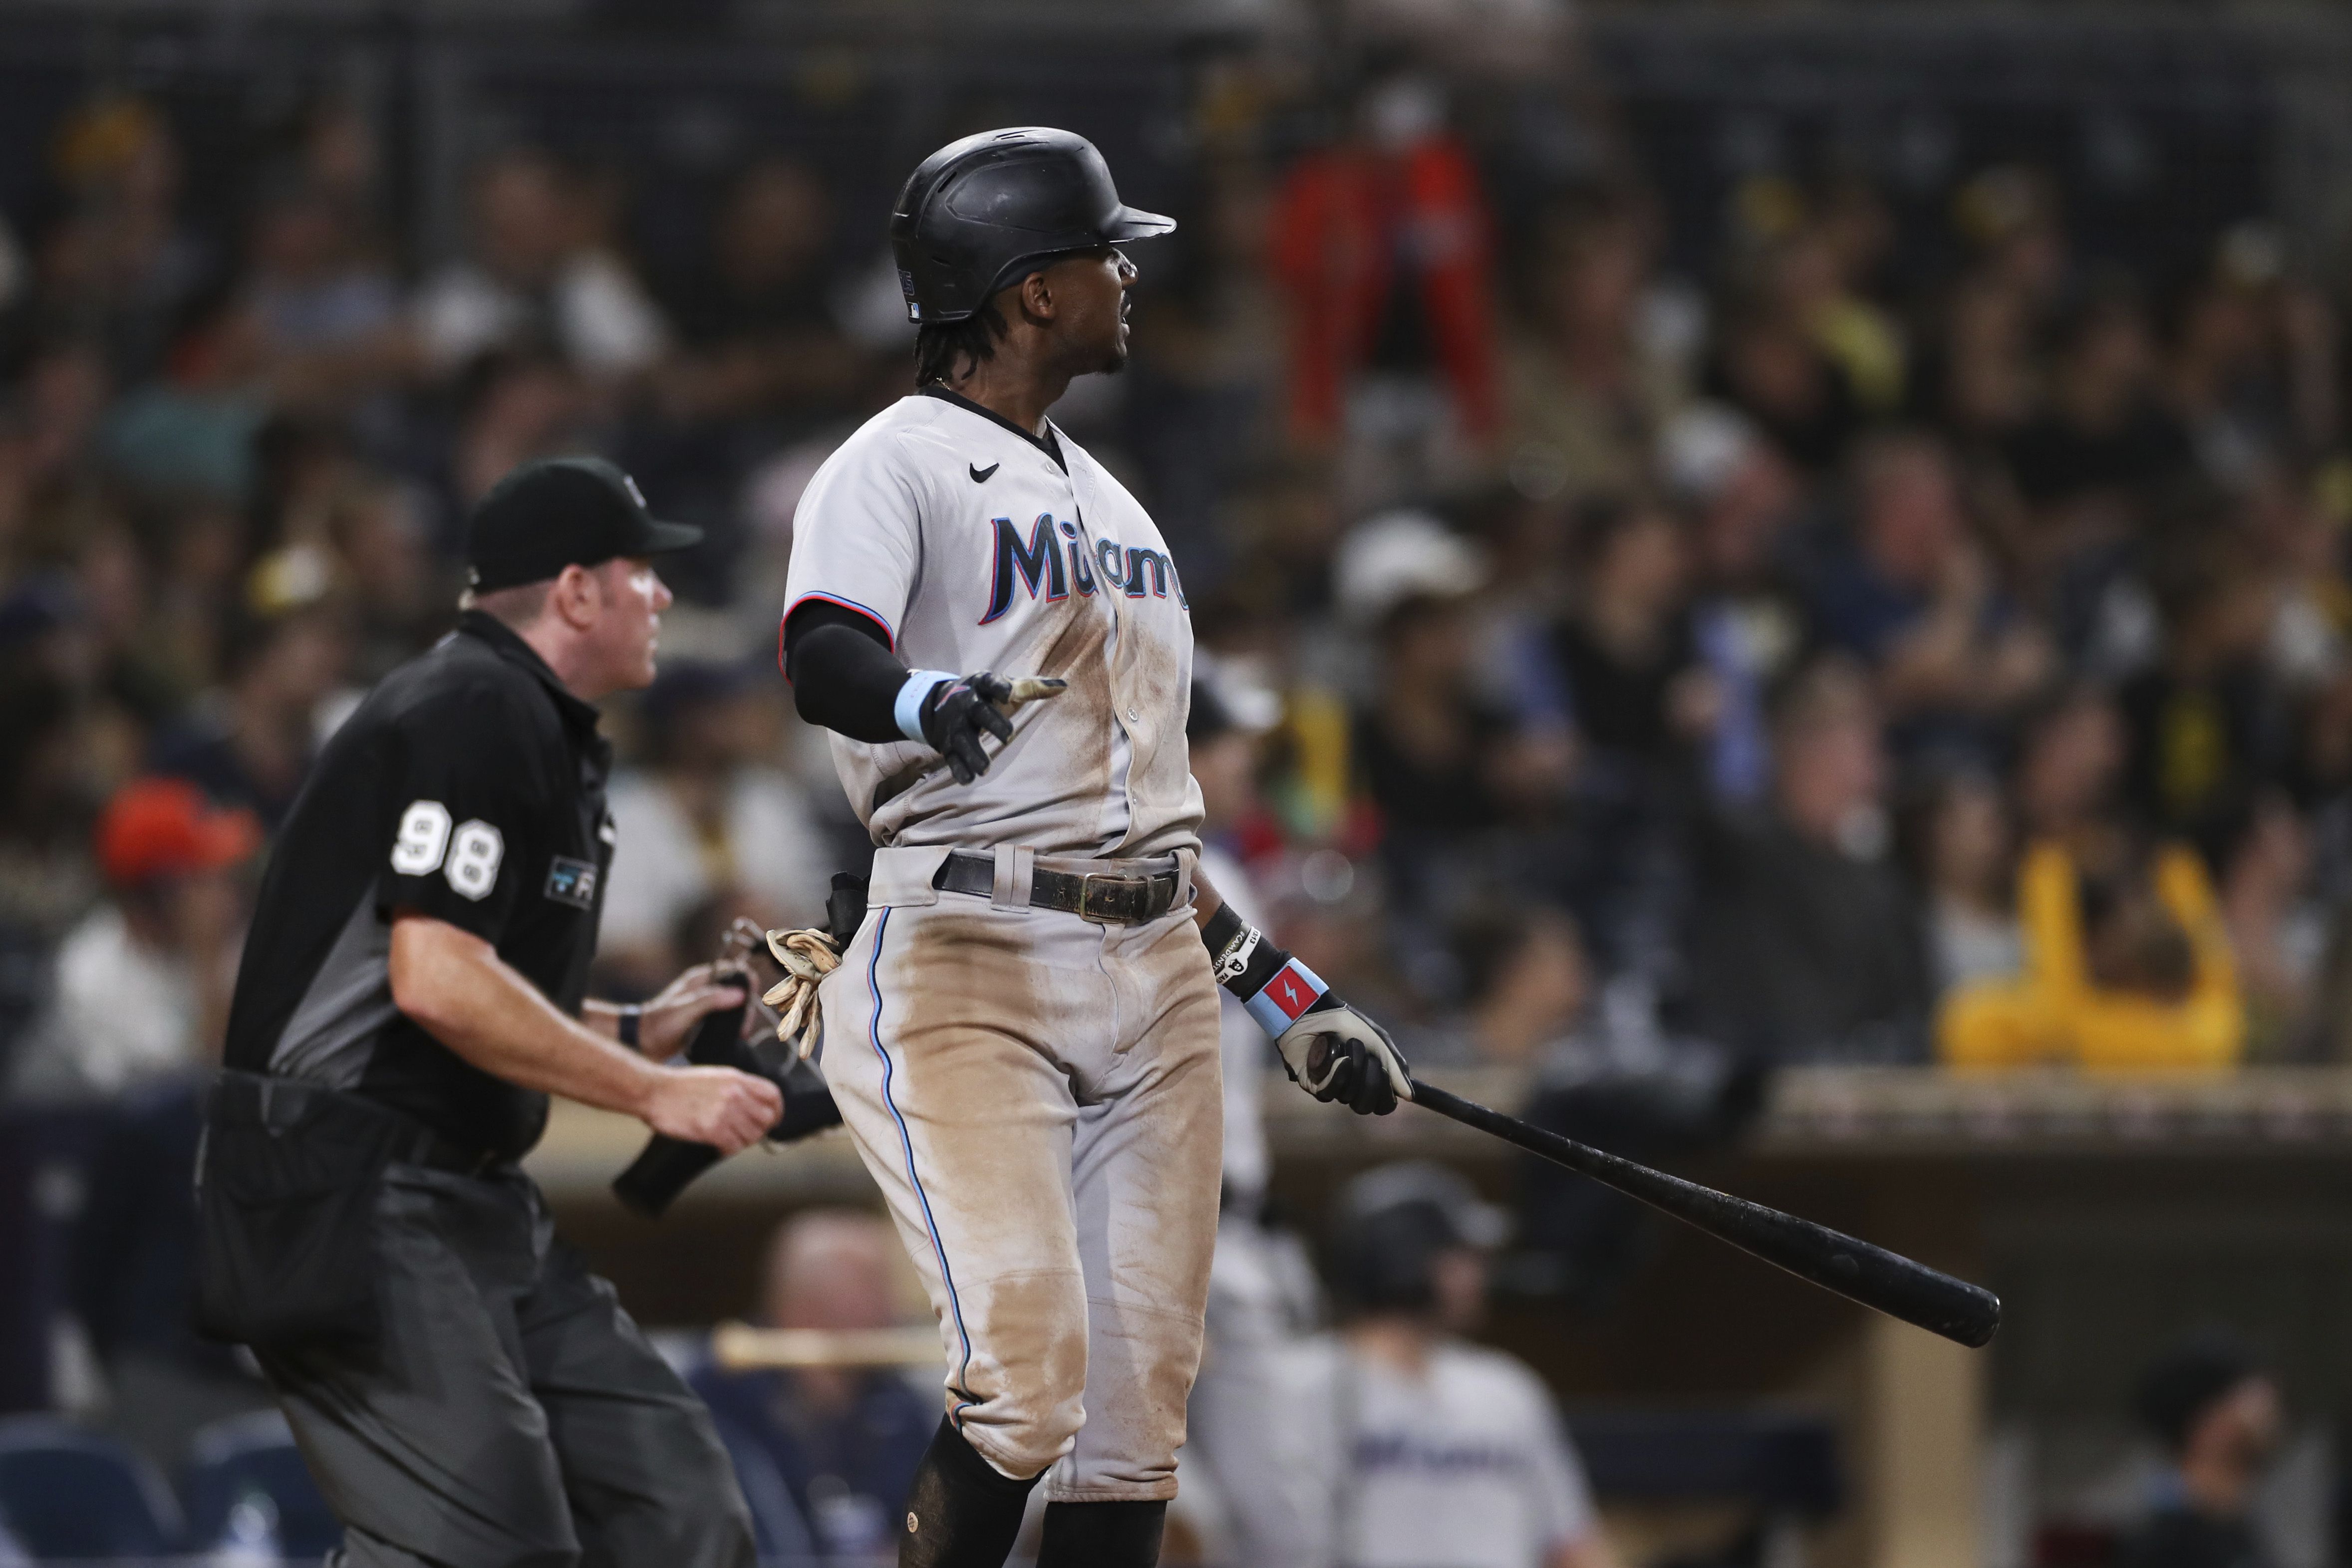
point(1093, 288)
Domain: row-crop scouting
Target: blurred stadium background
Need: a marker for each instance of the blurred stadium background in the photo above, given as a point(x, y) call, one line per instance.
point(1780, 575)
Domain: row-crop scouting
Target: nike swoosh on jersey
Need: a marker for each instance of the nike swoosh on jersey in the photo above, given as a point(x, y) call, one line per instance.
point(982, 476)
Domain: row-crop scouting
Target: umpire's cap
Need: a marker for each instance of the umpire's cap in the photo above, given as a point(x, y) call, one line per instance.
point(980, 214)
point(559, 512)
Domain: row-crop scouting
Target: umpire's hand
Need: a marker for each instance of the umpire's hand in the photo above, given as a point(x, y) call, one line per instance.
point(730, 1111)
point(669, 1020)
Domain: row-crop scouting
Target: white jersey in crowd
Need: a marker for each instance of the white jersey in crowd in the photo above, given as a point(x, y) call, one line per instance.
point(972, 546)
point(123, 1014)
point(1467, 1467)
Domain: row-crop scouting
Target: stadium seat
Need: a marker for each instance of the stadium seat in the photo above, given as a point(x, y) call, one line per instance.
point(68, 1493)
point(246, 1486)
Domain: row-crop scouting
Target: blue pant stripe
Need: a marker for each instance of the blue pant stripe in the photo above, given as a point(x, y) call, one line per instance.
point(907, 1141)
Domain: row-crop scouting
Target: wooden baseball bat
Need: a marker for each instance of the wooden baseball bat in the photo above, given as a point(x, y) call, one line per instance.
point(1881, 1281)
point(740, 1347)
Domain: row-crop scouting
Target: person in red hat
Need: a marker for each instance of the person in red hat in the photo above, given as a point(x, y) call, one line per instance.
point(143, 983)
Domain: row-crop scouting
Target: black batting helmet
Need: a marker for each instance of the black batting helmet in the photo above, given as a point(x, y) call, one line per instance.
point(1393, 1222)
point(979, 214)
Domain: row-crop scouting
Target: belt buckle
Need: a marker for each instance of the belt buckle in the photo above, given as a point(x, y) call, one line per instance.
point(1113, 884)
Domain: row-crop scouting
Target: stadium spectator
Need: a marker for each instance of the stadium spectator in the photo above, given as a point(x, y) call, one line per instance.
point(1640, 693)
point(1422, 747)
point(2069, 770)
point(1805, 945)
point(2128, 967)
point(1815, 280)
point(1590, 388)
point(1909, 592)
point(538, 279)
point(46, 779)
point(1981, 384)
point(325, 313)
point(2105, 441)
point(2209, 728)
point(846, 1440)
point(1443, 1452)
point(117, 267)
point(1748, 624)
point(143, 982)
point(1962, 858)
point(379, 548)
point(2217, 1412)
point(2252, 367)
point(759, 333)
point(1525, 983)
point(2278, 930)
point(514, 406)
point(1767, 363)
point(1382, 244)
point(250, 744)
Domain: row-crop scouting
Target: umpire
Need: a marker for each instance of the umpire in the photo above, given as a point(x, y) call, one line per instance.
point(467, 1394)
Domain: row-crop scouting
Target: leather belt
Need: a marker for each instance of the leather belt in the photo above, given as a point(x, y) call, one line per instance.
point(282, 1101)
point(1108, 898)
point(434, 1152)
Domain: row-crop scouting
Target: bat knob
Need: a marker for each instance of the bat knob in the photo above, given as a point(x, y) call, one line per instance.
point(1035, 688)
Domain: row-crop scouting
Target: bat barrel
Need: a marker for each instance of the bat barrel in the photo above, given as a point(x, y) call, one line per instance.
point(1881, 1281)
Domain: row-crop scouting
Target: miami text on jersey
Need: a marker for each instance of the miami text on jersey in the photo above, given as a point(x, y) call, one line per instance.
point(1054, 565)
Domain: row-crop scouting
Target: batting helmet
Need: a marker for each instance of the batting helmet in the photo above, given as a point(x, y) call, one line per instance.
point(981, 213)
point(1393, 1221)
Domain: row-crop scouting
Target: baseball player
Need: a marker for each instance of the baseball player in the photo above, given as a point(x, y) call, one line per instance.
point(1022, 1033)
point(1425, 1448)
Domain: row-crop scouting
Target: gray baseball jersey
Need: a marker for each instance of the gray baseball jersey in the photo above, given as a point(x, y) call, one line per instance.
point(974, 546)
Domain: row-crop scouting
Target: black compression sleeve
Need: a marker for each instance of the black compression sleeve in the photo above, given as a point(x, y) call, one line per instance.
point(1244, 960)
point(844, 674)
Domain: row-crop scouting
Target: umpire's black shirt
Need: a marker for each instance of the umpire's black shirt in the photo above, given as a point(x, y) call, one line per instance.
point(469, 787)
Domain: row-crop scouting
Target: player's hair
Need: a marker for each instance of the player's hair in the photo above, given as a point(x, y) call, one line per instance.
point(945, 349)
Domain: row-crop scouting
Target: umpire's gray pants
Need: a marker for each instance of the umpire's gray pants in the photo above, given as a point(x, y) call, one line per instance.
point(514, 1416)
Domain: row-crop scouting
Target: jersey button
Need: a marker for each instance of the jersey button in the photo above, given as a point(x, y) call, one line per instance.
point(1133, 717)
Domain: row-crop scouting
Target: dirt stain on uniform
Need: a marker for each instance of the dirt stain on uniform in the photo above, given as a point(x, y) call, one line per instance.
point(1080, 719)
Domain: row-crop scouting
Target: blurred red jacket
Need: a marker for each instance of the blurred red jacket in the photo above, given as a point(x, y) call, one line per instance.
point(1341, 219)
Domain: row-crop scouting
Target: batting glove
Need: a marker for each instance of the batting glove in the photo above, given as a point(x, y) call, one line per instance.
point(952, 713)
point(1329, 1050)
point(1334, 1052)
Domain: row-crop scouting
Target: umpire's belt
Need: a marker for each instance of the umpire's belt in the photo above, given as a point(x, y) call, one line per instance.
point(1122, 893)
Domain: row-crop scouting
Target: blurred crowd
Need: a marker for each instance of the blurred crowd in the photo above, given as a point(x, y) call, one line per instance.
point(1799, 658)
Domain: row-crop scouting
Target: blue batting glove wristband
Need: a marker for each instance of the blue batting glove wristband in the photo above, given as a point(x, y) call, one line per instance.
point(1276, 987)
point(1281, 1001)
point(908, 711)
